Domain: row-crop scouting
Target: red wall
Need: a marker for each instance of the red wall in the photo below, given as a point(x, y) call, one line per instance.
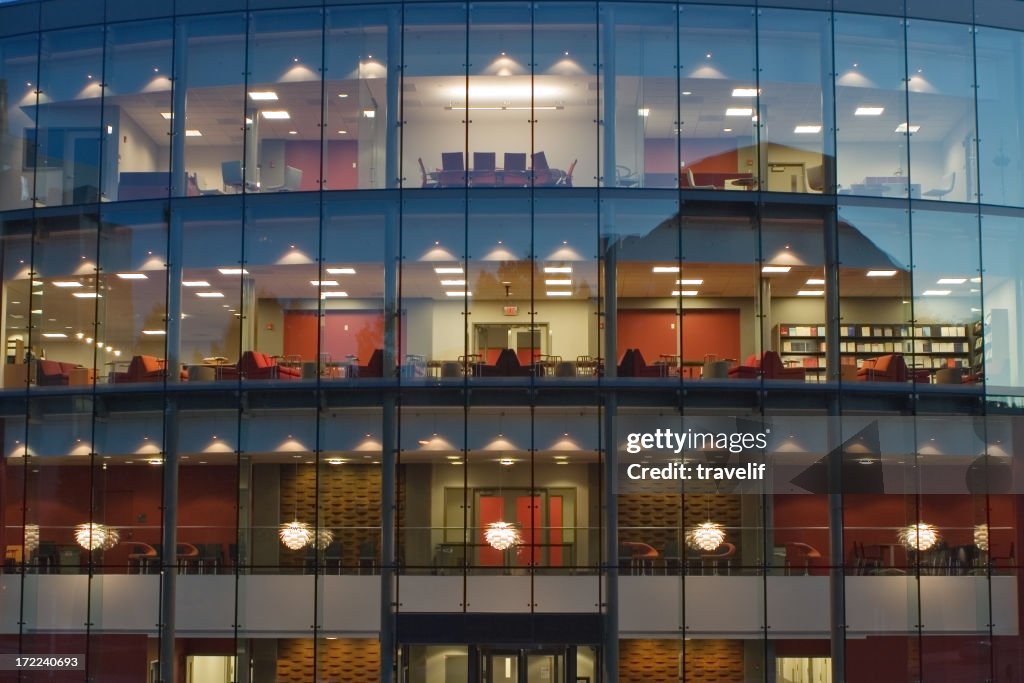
point(705, 331)
point(112, 658)
point(345, 332)
point(339, 167)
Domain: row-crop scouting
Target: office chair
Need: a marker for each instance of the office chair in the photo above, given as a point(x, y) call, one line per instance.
point(453, 170)
point(948, 183)
point(292, 181)
point(692, 184)
point(231, 174)
point(483, 174)
point(515, 170)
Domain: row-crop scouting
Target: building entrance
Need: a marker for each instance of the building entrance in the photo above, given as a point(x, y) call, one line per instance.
point(499, 664)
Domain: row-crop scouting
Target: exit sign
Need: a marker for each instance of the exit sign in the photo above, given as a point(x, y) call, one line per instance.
point(510, 310)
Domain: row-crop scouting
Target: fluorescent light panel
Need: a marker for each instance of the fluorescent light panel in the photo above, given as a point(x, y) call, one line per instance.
point(739, 111)
point(556, 283)
point(86, 295)
point(154, 333)
point(556, 269)
point(132, 276)
point(453, 283)
point(444, 270)
point(694, 282)
point(951, 280)
point(810, 292)
point(195, 283)
point(559, 293)
point(55, 335)
point(815, 281)
point(805, 129)
point(276, 115)
point(936, 292)
point(333, 295)
point(902, 128)
point(881, 273)
point(665, 269)
point(263, 96)
point(67, 283)
point(458, 293)
point(341, 271)
point(324, 283)
point(210, 295)
point(869, 111)
point(744, 92)
point(193, 133)
point(776, 269)
point(233, 271)
point(685, 292)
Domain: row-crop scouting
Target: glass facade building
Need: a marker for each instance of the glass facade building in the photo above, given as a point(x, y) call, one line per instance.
point(306, 305)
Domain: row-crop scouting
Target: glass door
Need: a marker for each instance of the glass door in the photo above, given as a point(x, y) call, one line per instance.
point(523, 666)
point(529, 343)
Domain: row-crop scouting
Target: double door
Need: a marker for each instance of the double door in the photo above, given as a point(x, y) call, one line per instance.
point(523, 666)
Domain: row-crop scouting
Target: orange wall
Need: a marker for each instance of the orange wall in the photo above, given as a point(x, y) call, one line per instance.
point(705, 331)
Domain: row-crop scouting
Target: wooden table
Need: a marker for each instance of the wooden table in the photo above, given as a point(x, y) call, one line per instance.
point(79, 377)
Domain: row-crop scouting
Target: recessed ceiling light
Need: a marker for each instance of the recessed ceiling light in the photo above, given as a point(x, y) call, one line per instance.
point(557, 269)
point(154, 333)
point(233, 271)
point(807, 128)
point(643, 112)
point(687, 92)
point(453, 283)
point(342, 132)
point(558, 282)
point(869, 111)
point(195, 283)
point(727, 130)
point(167, 115)
point(293, 132)
point(559, 293)
point(132, 276)
point(951, 280)
point(333, 295)
point(665, 269)
point(685, 292)
point(276, 114)
point(457, 293)
point(444, 270)
point(815, 281)
point(936, 292)
point(210, 295)
point(193, 133)
point(66, 283)
point(369, 113)
point(881, 273)
point(776, 269)
point(744, 92)
point(341, 271)
point(810, 292)
point(86, 295)
point(739, 111)
point(902, 128)
point(973, 279)
point(324, 283)
point(694, 281)
point(55, 335)
point(343, 95)
point(263, 96)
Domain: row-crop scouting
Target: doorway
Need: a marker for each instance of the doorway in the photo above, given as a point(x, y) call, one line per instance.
point(529, 342)
point(210, 669)
point(498, 664)
point(803, 669)
point(523, 666)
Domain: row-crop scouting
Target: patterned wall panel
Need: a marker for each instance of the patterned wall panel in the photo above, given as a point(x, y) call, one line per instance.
point(655, 518)
point(345, 659)
point(657, 661)
point(349, 507)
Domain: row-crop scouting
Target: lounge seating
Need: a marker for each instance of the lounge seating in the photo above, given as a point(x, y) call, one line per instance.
point(52, 373)
point(890, 368)
point(143, 369)
point(256, 365)
point(375, 366)
point(634, 365)
point(507, 365)
point(768, 366)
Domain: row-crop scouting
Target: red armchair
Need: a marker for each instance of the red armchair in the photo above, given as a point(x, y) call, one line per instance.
point(634, 365)
point(142, 369)
point(52, 373)
point(256, 365)
point(891, 368)
point(375, 366)
point(769, 366)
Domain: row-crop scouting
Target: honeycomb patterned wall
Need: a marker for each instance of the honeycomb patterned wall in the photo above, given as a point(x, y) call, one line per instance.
point(657, 661)
point(345, 660)
point(349, 506)
point(655, 518)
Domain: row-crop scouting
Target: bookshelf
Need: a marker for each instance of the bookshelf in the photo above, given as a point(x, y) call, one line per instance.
point(930, 346)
